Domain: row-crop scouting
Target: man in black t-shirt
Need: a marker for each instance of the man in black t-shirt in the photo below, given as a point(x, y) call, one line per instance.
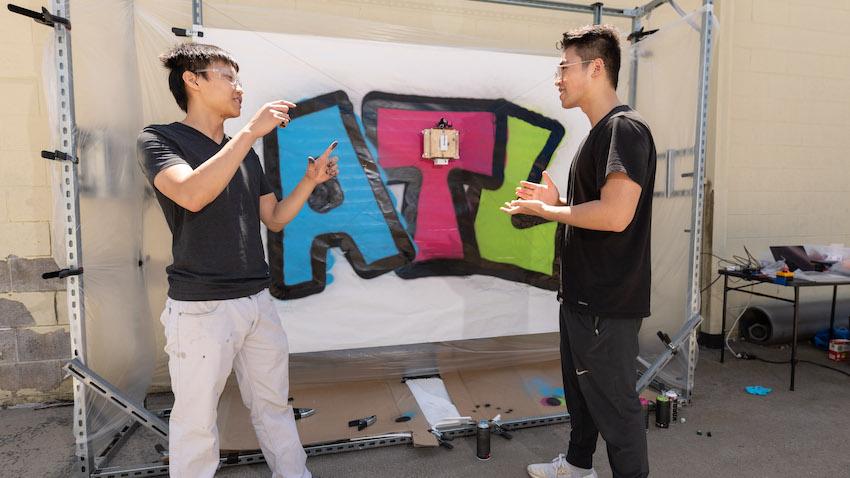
point(605, 226)
point(219, 312)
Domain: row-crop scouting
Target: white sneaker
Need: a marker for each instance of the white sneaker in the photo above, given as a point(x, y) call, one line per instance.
point(559, 468)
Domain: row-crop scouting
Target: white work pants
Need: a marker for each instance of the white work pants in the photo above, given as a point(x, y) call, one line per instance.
point(204, 340)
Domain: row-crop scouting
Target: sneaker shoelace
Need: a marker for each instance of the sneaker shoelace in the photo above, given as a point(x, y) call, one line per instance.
point(562, 468)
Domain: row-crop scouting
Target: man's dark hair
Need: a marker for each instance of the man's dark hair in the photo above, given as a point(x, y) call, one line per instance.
point(191, 57)
point(596, 41)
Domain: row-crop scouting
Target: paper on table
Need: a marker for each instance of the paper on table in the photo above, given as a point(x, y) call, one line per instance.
point(820, 276)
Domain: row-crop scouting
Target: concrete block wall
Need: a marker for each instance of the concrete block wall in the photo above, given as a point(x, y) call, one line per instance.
point(780, 171)
point(34, 335)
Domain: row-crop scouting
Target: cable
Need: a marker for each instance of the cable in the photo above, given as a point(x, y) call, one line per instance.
point(746, 262)
point(711, 284)
point(732, 329)
point(824, 366)
point(785, 362)
point(751, 257)
point(721, 259)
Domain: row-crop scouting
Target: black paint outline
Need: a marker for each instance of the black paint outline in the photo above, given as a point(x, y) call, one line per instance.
point(323, 242)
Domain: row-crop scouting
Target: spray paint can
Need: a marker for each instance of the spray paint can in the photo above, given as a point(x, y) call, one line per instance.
point(674, 403)
point(644, 408)
point(662, 412)
point(482, 439)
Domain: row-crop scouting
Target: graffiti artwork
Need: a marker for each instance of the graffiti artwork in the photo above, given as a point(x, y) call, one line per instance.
point(448, 221)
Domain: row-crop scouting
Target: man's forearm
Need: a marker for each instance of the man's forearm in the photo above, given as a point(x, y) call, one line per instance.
point(593, 215)
point(287, 208)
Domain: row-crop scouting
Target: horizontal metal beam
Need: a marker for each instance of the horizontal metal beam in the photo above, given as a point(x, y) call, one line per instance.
point(250, 458)
point(649, 7)
point(254, 457)
point(566, 7)
point(527, 422)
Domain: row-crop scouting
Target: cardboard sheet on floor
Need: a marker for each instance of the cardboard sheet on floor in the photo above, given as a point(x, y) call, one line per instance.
point(523, 391)
point(335, 405)
point(531, 390)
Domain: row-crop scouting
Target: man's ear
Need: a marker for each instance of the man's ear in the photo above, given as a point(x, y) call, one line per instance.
point(598, 67)
point(190, 79)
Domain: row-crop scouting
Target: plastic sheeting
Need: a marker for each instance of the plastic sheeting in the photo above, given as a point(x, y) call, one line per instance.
point(667, 94)
point(120, 339)
point(428, 254)
point(473, 305)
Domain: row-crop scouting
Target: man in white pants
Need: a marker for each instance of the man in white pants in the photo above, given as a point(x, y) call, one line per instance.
point(219, 313)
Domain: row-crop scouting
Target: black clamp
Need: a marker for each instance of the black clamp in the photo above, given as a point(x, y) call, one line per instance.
point(639, 35)
point(44, 17)
point(186, 32)
point(62, 273)
point(362, 423)
point(443, 440)
point(499, 430)
point(162, 452)
point(303, 412)
point(667, 342)
point(59, 156)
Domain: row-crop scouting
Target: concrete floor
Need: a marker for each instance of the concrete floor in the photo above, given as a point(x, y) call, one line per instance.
point(805, 433)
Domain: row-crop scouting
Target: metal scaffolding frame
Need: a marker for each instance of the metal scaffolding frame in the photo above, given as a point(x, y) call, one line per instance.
point(87, 384)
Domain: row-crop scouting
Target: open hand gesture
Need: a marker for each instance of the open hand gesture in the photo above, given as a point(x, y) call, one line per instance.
point(547, 192)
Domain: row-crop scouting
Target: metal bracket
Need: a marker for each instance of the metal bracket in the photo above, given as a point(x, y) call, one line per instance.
point(43, 18)
point(117, 442)
point(108, 391)
point(671, 349)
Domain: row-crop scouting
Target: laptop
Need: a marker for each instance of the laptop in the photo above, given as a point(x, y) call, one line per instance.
point(795, 257)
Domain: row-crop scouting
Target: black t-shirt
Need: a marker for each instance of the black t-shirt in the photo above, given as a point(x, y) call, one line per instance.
point(608, 273)
point(218, 253)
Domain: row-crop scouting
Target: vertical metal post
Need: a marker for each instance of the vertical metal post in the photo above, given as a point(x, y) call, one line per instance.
point(633, 72)
point(597, 13)
point(197, 15)
point(832, 314)
point(699, 181)
point(723, 322)
point(70, 220)
point(794, 334)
